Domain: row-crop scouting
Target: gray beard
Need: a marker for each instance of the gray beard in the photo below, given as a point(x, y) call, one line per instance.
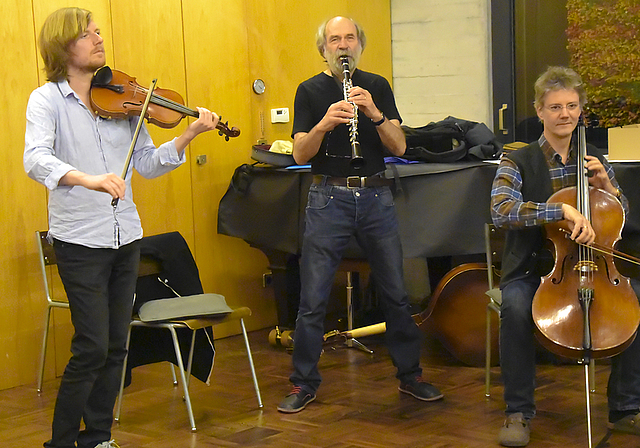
point(335, 64)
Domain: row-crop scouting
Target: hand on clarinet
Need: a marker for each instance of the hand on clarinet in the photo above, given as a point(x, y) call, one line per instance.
point(338, 113)
point(363, 99)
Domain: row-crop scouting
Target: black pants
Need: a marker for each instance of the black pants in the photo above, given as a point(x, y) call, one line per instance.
point(100, 285)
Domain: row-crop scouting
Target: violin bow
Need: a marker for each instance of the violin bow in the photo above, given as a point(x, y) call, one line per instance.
point(143, 112)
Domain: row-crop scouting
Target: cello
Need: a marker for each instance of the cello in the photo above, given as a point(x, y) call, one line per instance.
point(584, 308)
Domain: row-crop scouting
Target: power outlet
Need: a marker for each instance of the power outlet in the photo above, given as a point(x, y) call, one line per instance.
point(280, 115)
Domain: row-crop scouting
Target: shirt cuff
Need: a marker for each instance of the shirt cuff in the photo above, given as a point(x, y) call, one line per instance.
point(53, 179)
point(170, 156)
point(555, 212)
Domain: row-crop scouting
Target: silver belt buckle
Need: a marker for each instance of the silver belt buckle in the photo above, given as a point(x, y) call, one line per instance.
point(357, 182)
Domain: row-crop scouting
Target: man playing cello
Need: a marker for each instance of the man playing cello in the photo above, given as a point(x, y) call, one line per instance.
point(518, 205)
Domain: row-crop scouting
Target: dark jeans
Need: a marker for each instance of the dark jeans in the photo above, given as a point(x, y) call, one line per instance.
point(517, 355)
point(333, 215)
point(100, 285)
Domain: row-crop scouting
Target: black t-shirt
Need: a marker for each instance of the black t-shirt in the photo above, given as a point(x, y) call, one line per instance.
point(313, 98)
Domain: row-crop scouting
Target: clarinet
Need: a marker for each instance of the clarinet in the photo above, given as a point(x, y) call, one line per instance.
point(357, 161)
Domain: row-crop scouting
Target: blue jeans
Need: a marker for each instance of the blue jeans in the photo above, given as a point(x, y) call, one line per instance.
point(333, 215)
point(100, 284)
point(518, 363)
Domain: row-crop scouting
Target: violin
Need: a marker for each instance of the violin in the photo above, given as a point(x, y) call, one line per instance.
point(115, 94)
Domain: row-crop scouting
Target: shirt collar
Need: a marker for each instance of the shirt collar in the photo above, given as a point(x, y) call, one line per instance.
point(65, 88)
point(550, 154)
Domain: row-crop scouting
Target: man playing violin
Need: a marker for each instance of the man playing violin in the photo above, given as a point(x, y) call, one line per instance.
point(518, 205)
point(345, 201)
point(76, 154)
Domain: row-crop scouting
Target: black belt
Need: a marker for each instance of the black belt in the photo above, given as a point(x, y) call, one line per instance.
point(352, 181)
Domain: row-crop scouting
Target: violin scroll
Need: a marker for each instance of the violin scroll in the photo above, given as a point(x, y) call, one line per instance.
point(223, 129)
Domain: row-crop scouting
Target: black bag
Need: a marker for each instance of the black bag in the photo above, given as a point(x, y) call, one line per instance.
point(450, 140)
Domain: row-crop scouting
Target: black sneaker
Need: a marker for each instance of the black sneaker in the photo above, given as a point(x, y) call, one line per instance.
point(629, 424)
point(296, 401)
point(420, 389)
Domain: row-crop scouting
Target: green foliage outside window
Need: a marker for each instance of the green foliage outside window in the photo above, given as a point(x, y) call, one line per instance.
point(604, 44)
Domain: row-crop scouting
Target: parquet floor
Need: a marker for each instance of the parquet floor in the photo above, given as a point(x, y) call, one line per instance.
point(358, 405)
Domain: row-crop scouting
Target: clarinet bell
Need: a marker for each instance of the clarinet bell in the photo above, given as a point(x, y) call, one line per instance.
point(357, 161)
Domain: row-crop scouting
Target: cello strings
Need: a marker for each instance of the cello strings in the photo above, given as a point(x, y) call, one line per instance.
point(607, 251)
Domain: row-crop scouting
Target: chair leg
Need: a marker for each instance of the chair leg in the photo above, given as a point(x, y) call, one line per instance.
point(122, 377)
point(190, 360)
point(173, 374)
point(592, 375)
point(43, 351)
point(253, 370)
point(487, 365)
point(185, 385)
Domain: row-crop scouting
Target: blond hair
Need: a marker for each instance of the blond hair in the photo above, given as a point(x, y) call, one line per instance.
point(558, 78)
point(59, 30)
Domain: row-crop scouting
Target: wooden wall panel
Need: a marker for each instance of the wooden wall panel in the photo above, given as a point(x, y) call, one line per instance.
point(374, 18)
point(148, 44)
point(283, 53)
point(23, 202)
point(217, 77)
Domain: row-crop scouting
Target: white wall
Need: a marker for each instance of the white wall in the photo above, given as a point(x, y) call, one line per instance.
point(441, 60)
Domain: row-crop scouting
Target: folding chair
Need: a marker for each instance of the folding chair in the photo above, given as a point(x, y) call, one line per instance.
point(149, 266)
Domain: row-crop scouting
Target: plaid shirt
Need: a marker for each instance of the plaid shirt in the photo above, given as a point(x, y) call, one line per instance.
point(509, 210)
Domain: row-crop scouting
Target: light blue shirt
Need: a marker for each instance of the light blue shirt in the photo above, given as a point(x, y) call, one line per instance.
point(62, 135)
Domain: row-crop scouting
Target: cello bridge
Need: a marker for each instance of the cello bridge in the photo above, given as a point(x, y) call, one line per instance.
point(586, 266)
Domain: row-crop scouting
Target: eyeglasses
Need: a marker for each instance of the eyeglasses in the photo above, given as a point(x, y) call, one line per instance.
point(557, 108)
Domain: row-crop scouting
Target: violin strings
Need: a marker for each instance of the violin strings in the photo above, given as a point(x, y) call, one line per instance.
point(169, 104)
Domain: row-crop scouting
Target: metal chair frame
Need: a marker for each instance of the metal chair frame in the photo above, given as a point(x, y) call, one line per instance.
point(494, 242)
point(47, 257)
point(193, 325)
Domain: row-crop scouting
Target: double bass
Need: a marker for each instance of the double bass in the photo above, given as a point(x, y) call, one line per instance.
point(584, 308)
